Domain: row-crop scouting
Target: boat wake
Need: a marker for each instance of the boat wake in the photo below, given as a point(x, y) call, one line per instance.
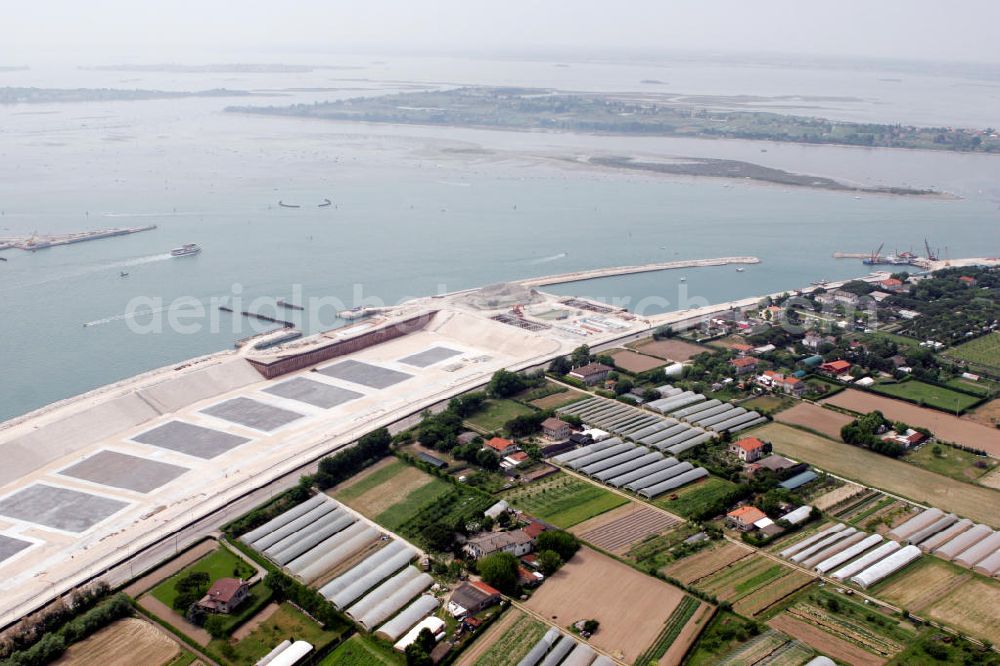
point(123, 316)
point(89, 269)
point(545, 260)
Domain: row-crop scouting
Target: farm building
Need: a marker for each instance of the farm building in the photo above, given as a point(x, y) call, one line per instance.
point(972, 555)
point(837, 559)
point(433, 624)
point(495, 510)
point(937, 526)
point(471, 598)
point(748, 449)
point(225, 595)
point(944, 536)
point(963, 542)
point(918, 522)
point(431, 460)
point(516, 542)
point(808, 541)
point(408, 617)
point(835, 367)
point(799, 480)
point(798, 516)
point(822, 544)
point(500, 446)
point(555, 428)
point(289, 653)
point(590, 374)
point(743, 518)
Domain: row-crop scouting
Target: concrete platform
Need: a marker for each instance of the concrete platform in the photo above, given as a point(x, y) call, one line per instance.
point(253, 414)
point(313, 392)
point(9, 546)
point(192, 440)
point(59, 508)
point(429, 356)
point(119, 470)
point(357, 372)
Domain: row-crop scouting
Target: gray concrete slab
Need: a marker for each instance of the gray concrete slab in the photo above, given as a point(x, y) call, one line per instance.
point(59, 508)
point(429, 356)
point(191, 439)
point(366, 374)
point(312, 392)
point(120, 470)
point(9, 546)
point(253, 414)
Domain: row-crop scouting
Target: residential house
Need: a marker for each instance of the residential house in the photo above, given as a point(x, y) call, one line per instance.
point(879, 296)
point(515, 459)
point(555, 428)
point(516, 542)
point(744, 364)
point(749, 449)
point(471, 598)
point(967, 280)
point(792, 386)
point(893, 285)
point(906, 439)
point(777, 464)
point(225, 595)
point(590, 374)
point(500, 446)
point(846, 298)
point(742, 349)
point(744, 517)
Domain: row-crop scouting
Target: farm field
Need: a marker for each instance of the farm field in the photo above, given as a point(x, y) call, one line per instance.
point(695, 496)
point(952, 462)
point(813, 417)
point(945, 426)
point(928, 394)
point(386, 484)
point(771, 648)
point(949, 594)
point(616, 530)
point(495, 413)
point(981, 351)
point(557, 400)
point(837, 495)
point(505, 642)
point(838, 648)
point(564, 500)
point(123, 643)
point(220, 563)
point(988, 414)
point(677, 633)
point(882, 472)
point(725, 632)
point(753, 584)
point(768, 403)
point(706, 562)
point(671, 350)
point(631, 607)
point(635, 362)
point(879, 633)
point(287, 622)
point(982, 388)
point(360, 650)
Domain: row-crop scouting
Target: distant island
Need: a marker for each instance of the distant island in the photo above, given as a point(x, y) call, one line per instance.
point(17, 68)
point(720, 168)
point(49, 95)
point(540, 109)
point(231, 68)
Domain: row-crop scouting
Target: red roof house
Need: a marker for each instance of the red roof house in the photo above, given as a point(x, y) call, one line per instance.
point(744, 517)
point(748, 449)
point(744, 364)
point(225, 595)
point(835, 367)
point(501, 446)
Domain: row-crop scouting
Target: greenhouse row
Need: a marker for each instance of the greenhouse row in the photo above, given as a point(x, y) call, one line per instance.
point(663, 434)
point(846, 553)
point(965, 543)
point(636, 468)
point(556, 648)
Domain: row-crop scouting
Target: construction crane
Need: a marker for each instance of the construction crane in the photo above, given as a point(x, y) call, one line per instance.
point(931, 256)
point(876, 257)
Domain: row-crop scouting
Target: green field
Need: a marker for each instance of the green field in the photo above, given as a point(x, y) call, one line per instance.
point(495, 413)
point(927, 394)
point(695, 497)
point(286, 623)
point(361, 650)
point(984, 351)
point(982, 388)
point(768, 403)
point(724, 633)
point(563, 500)
point(220, 563)
point(952, 462)
point(401, 513)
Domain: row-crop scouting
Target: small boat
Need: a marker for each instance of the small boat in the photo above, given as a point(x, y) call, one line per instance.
point(185, 250)
point(326, 202)
point(284, 205)
point(123, 274)
point(683, 279)
point(740, 269)
point(3, 258)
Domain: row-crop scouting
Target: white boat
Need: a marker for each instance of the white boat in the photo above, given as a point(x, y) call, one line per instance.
point(739, 270)
point(185, 250)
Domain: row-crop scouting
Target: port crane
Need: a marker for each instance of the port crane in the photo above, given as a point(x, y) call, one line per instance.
point(931, 256)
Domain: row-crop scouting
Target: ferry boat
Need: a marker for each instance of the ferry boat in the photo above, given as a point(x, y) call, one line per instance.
point(185, 250)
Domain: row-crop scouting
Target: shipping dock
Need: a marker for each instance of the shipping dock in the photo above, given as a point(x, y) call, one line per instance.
point(38, 241)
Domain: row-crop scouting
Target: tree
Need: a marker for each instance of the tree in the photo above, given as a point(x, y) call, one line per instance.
point(590, 626)
point(487, 460)
point(560, 365)
point(563, 543)
point(580, 356)
point(439, 537)
point(216, 626)
point(550, 561)
point(190, 588)
point(416, 655)
point(500, 571)
point(505, 383)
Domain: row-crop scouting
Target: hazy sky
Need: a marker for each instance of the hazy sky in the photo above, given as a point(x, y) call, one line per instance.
point(188, 30)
